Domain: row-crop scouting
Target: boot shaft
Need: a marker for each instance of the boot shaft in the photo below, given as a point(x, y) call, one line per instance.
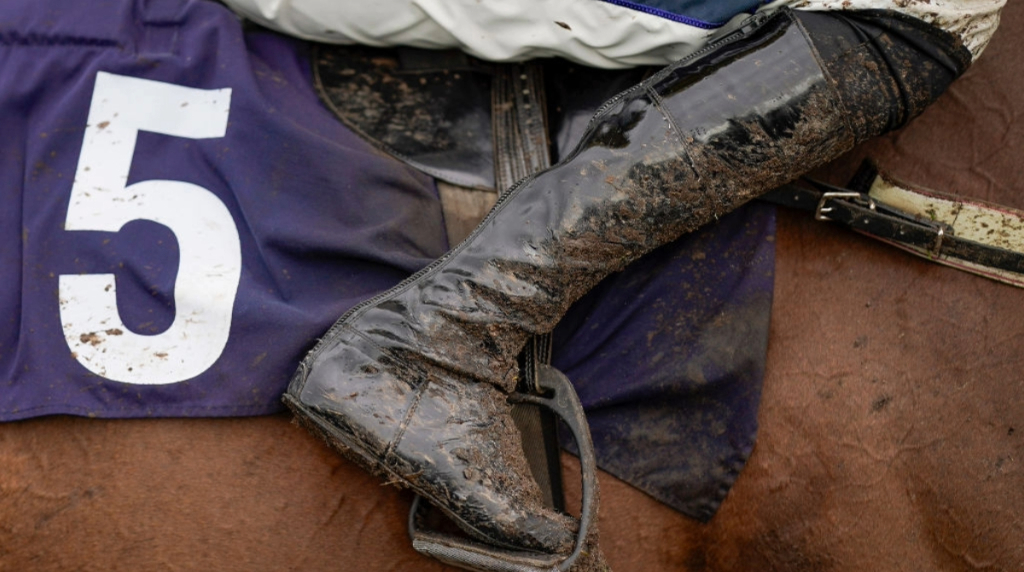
point(415, 380)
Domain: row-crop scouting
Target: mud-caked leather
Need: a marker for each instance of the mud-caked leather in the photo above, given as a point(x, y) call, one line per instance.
point(413, 384)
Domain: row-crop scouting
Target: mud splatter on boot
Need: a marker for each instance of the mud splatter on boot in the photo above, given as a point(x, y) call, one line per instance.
point(413, 383)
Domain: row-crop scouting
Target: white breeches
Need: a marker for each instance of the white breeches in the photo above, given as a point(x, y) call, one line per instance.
point(592, 32)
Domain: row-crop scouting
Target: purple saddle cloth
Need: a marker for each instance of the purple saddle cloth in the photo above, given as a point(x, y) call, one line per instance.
point(183, 218)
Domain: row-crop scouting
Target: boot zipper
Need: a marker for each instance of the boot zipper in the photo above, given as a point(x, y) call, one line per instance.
point(749, 26)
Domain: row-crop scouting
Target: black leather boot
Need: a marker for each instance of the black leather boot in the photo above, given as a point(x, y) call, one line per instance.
point(413, 384)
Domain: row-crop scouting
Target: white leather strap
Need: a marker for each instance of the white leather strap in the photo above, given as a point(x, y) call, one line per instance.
point(970, 219)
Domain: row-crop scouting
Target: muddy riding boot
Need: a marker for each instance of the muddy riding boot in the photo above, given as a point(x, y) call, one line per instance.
point(414, 383)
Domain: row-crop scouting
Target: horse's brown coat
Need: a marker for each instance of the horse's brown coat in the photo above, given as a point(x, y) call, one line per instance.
point(892, 423)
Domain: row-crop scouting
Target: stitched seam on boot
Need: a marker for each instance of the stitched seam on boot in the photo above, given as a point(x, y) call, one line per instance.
point(656, 100)
point(413, 405)
point(685, 149)
point(851, 132)
point(405, 422)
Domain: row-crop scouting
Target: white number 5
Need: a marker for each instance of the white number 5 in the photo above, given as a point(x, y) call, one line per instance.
point(210, 256)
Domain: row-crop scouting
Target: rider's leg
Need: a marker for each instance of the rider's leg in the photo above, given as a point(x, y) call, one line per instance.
point(413, 384)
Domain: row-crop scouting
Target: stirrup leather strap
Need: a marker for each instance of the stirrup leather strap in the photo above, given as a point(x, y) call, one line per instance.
point(963, 233)
point(543, 394)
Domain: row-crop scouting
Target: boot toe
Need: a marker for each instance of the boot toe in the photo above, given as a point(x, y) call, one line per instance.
point(467, 453)
point(451, 441)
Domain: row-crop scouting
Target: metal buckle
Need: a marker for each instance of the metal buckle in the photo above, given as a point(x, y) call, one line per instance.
point(937, 247)
point(819, 212)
